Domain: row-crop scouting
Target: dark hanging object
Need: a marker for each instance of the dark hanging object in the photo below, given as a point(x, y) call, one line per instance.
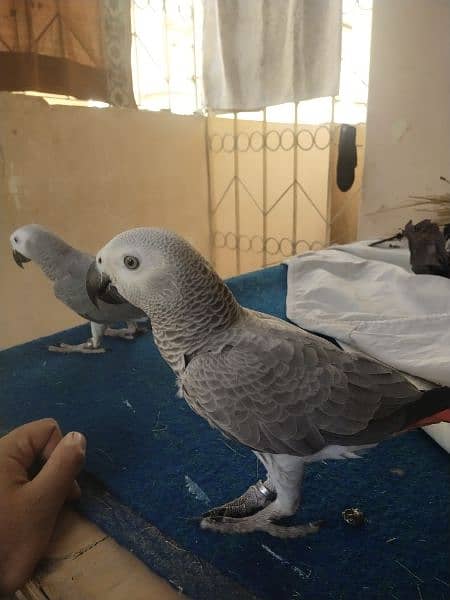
point(427, 248)
point(347, 158)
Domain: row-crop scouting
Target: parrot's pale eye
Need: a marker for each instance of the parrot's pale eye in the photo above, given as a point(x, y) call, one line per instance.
point(131, 262)
point(99, 260)
point(16, 239)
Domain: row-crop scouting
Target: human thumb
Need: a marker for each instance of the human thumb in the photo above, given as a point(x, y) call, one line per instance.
point(55, 481)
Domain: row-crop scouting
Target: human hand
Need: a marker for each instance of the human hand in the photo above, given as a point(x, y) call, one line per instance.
point(29, 507)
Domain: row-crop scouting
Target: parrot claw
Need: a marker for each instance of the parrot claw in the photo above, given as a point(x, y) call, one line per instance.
point(119, 334)
point(130, 332)
point(255, 523)
point(85, 348)
point(257, 497)
point(124, 333)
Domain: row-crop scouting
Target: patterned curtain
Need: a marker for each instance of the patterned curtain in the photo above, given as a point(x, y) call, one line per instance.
point(79, 48)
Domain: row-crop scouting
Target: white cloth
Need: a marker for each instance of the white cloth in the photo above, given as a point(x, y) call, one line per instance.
point(369, 300)
point(396, 256)
point(376, 307)
point(259, 53)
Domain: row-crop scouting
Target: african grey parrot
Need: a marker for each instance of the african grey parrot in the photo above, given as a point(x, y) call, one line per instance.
point(290, 396)
point(67, 268)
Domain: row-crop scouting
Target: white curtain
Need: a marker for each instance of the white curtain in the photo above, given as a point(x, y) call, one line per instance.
point(259, 53)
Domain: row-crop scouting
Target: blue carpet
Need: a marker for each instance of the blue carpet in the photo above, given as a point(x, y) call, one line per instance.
point(160, 460)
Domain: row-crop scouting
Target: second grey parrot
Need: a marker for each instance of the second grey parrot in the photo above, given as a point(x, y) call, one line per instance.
point(290, 396)
point(66, 267)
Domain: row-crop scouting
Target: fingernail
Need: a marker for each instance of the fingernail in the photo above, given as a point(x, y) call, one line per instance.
point(76, 439)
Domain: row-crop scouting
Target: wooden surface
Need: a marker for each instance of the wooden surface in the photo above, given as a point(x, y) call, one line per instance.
point(82, 563)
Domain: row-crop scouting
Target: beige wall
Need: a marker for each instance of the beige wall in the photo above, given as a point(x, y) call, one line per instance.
point(88, 174)
point(408, 122)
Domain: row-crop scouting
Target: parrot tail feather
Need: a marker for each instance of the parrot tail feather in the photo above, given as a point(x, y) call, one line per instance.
point(441, 417)
point(432, 407)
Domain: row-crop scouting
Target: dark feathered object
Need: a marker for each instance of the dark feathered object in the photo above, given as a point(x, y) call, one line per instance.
point(427, 247)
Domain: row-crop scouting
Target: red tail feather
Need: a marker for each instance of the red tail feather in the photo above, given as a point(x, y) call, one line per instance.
point(442, 416)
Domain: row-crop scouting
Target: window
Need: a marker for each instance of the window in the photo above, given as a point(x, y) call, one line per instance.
point(166, 54)
point(167, 64)
point(166, 60)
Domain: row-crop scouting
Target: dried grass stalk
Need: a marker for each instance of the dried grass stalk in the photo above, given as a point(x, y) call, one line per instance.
point(438, 204)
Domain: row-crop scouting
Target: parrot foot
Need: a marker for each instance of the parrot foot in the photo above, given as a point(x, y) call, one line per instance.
point(85, 348)
point(125, 333)
point(254, 499)
point(259, 522)
point(256, 510)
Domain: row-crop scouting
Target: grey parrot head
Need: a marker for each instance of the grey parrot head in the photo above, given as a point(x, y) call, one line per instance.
point(138, 265)
point(26, 243)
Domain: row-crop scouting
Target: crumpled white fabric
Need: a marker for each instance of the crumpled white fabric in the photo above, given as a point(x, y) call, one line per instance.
point(369, 300)
point(377, 307)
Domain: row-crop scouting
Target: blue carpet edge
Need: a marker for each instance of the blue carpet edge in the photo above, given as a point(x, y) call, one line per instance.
point(184, 570)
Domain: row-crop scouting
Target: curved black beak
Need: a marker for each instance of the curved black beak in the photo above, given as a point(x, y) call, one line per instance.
point(19, 258)
point(98, 287)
